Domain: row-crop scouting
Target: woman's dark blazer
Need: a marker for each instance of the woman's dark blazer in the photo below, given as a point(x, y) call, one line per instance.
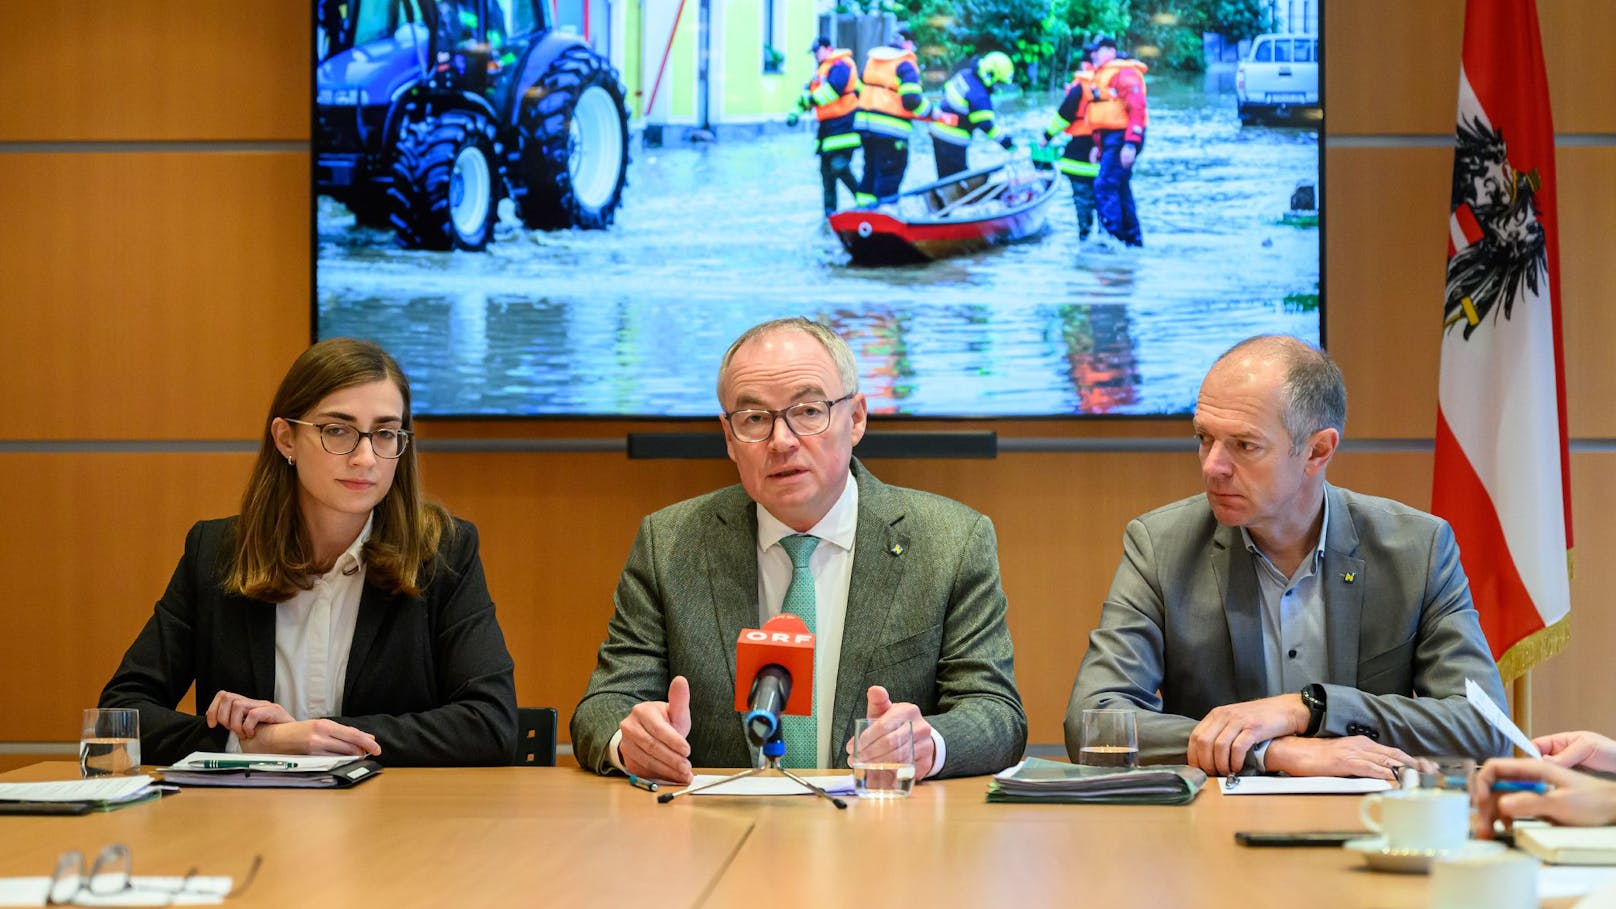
point(428, 676)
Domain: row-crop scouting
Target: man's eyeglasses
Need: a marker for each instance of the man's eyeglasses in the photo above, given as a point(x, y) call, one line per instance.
point(112, 875)
point(805, 418)
point(342, 439)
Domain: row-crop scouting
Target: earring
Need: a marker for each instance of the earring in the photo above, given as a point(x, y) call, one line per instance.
point(290, 462)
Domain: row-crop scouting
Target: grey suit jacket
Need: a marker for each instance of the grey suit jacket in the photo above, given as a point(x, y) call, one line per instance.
point(1181, 631)
point(925, 619)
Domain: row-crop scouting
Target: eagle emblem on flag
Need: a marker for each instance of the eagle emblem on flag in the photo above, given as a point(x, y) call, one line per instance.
point(1495, 240)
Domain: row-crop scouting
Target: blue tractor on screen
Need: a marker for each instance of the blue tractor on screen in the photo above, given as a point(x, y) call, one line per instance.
point(429, 112)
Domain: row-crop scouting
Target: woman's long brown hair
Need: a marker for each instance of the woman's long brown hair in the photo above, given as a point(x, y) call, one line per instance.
point(274, 557)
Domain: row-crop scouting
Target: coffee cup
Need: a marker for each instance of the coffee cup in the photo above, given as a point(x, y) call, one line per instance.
point(1499, 880)
point(1419, 820)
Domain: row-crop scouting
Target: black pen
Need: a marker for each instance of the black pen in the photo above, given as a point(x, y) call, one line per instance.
point(642, 783)
point(211, 764)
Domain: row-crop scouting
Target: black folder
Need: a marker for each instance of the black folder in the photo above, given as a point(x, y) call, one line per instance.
point(342, 776)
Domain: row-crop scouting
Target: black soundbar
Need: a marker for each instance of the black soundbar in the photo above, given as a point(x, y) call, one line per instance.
point(974, 444)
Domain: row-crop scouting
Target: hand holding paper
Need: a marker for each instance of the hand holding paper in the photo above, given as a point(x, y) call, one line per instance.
point(1582, 750)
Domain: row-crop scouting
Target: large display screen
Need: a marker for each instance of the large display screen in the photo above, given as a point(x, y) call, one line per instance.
point(575, 219)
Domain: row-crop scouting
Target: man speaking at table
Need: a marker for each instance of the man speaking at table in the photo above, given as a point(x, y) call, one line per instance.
point(1279, 623)
point(900, 587)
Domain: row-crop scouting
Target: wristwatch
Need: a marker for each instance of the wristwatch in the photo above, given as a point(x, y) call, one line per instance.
point(1313, 698)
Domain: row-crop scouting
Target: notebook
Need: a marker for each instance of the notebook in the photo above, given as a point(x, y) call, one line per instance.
point(76, 796)
point(1568, 845)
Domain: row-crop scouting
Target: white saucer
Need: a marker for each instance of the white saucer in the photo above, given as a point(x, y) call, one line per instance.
point(1415, 861)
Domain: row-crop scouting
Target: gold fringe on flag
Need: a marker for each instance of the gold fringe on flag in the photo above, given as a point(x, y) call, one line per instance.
point(1534, 649)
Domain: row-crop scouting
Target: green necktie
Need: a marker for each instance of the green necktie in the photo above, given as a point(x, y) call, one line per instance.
point(801, 733)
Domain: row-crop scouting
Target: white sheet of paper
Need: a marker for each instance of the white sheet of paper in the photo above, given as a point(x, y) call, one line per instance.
point(301, 763)
point(1299, 785)
point(95, 789)
point(1498, 718)
point(773, 785)
point(147, 890)
point(1561, 881)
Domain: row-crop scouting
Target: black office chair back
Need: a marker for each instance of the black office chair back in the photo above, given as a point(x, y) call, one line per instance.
point(535, 736)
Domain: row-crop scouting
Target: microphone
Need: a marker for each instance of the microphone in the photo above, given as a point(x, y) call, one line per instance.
point(770, 663)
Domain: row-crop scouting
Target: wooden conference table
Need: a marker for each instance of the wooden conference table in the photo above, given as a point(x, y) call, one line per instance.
point(522, 836)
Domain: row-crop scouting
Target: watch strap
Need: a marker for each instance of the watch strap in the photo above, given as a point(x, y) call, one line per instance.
point(1313, 697)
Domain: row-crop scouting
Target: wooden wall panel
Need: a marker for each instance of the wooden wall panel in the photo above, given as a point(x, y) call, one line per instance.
point(1392, 66)
point(153, 295)
point(1385, 267)
point(127, 70)
point(91, 545)
point(1573, 691)
point(1587, 208)
point(1576, 53)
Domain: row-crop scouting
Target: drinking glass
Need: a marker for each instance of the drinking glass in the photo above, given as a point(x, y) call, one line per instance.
point(1442, 773)
point(883, 759)
point(1110, 738)
point(109, 742)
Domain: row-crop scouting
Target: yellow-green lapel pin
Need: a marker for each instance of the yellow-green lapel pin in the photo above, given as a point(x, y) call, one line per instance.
point(1350, 576)
point(896, 549)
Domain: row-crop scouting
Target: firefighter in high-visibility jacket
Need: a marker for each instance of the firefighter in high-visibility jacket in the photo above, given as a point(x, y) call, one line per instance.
point(968, 96)
point(833, 96)
point(889, 103)
point(1069, 129)
point(1117, 114)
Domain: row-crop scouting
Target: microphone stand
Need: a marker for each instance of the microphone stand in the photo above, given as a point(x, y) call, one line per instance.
point(773, 751)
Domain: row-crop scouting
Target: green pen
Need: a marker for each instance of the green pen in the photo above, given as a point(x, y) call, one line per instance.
point(211, 764)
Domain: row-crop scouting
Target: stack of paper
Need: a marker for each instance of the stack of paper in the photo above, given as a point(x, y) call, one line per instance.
point(841, 784)
point(1300, 785)
point(277, 771)
point(77, 796)
point(1036, 780)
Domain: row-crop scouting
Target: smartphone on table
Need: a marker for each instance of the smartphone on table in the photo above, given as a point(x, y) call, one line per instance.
point(1298, 837)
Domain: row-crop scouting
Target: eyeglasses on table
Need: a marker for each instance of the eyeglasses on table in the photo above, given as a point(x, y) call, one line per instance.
point(111, 877)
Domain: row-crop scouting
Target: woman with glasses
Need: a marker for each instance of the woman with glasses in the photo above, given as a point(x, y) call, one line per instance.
point(340, 612)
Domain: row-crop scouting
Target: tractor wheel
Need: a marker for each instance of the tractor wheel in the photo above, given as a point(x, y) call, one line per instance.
point(444, 181)
point(571, 161)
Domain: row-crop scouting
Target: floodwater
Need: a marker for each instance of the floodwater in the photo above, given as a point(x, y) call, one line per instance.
point(715, 237)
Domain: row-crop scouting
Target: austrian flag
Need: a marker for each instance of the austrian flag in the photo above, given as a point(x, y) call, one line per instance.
point(1502, 476)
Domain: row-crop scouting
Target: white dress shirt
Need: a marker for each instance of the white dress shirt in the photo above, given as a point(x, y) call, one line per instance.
point(313, 635)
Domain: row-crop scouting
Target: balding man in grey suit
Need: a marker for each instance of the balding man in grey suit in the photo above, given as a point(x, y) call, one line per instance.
point(1280, 623)
point(910, 613)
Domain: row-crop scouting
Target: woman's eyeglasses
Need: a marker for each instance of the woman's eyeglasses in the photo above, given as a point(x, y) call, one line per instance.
point(342, 439)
